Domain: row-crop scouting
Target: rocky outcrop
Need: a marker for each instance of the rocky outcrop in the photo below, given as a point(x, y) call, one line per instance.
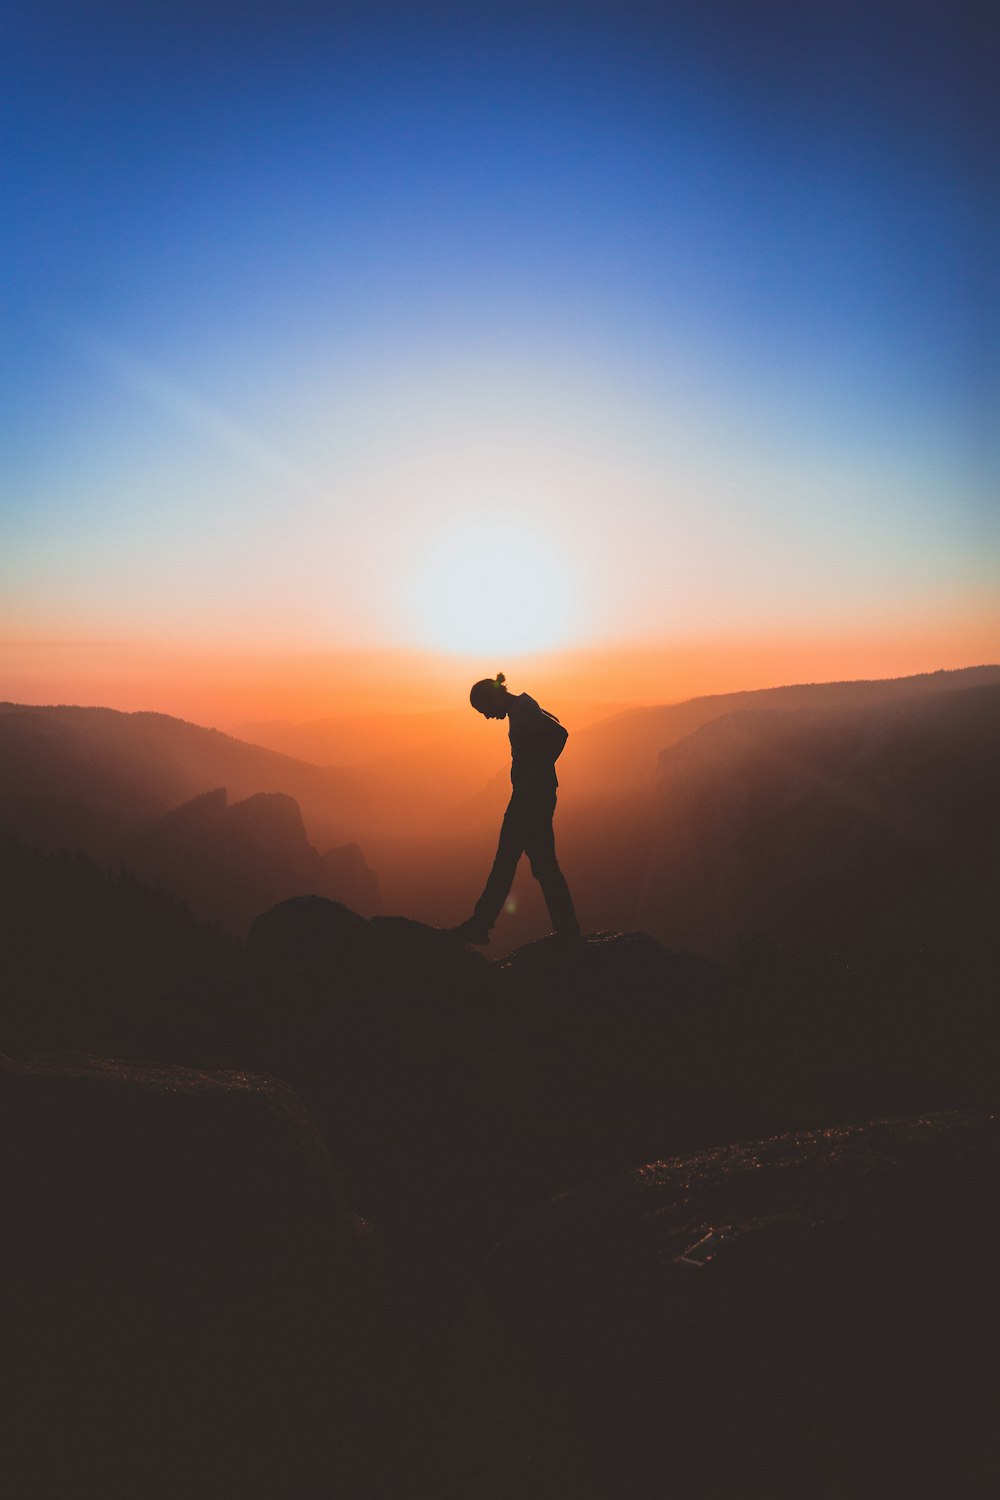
point(810, 1315)
point(232, 862)
point(456, 1090)
point(188, 1306)
point(128, 767)
point(346, 871)
point(382, 1026)
point(611, 1048)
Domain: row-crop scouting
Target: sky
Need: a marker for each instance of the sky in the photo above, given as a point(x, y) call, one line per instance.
point(354, 342)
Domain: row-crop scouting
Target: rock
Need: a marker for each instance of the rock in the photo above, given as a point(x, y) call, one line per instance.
point(188, 1305)
point(191, 820)
point(613, 1048)
point(346, 871)
point(329, 954)
point(234, 862)
point(381, 1025)
point(270, 822)
point(455, 1092)
point(309, 944)
point(811, 1315)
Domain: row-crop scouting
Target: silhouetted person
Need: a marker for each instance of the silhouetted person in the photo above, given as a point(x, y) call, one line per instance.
point(536, 742)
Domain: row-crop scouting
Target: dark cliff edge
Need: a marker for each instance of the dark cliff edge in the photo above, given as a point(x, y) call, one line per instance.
point(351, 1209)
point(186, 1295)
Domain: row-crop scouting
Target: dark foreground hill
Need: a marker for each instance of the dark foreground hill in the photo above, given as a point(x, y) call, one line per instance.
point(561, 1063)
point(806, 1317)
point(97, 961)
point(188, 1305)
point(571, 1284)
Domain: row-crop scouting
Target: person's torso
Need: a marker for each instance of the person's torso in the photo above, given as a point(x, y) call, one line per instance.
point(535, 741)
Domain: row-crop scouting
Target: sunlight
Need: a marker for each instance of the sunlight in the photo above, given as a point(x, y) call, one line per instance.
point(189, 410)
point(492, 587)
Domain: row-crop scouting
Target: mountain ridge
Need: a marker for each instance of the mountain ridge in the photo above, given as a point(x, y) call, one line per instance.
point(155, 761)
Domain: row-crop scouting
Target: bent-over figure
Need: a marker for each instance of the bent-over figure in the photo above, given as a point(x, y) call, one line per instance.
point(536, 742)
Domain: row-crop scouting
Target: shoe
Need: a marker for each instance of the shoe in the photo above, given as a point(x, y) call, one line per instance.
point(471, 932)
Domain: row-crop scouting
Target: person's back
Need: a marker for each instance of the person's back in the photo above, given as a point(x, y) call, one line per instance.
point(536, 742)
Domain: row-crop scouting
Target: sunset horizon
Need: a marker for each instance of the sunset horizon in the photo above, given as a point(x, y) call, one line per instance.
point(228, 690)
point(491, 341)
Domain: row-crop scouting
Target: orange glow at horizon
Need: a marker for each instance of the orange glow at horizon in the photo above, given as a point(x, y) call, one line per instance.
point(223, 688)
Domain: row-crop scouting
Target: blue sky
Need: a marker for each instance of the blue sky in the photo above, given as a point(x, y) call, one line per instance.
point(699, 298)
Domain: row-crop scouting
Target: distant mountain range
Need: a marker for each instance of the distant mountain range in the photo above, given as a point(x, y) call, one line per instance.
point(622, 750)
point(118, 769)
point(215, 821)
point(231, 862)
point(617, 825)
point(841, 825)
point(772, 811)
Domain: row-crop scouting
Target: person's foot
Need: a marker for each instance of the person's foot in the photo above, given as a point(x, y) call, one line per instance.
point(471, 932)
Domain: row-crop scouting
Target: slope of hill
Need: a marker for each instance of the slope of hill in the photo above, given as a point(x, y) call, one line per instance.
point(608, 777)
point(848, 828)
point(99, 961)
point(622, 751)
point(100, 771)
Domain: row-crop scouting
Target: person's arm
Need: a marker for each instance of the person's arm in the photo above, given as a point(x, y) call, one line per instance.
point(555, 733)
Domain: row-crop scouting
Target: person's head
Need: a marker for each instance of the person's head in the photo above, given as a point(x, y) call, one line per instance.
point(489, 697)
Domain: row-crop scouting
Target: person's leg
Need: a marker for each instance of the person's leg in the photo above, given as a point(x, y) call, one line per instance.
point(501, 877)
point(540, 847)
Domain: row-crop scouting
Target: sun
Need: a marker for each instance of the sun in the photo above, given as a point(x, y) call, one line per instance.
point(491, 586)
